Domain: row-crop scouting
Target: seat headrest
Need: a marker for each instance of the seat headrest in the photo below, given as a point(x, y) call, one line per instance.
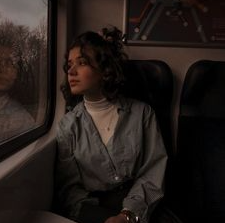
point(150, 81)
point(203, 92)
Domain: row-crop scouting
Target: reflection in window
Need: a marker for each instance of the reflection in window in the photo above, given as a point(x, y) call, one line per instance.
point(23, 66)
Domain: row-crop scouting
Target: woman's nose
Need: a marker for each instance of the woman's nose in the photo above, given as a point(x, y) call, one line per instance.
point(72, 70)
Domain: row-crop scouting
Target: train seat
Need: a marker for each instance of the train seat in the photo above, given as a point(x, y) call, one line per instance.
point(151, 81)
point(199, 183)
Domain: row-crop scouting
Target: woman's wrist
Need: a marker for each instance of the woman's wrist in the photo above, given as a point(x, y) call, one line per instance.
point(130, 216)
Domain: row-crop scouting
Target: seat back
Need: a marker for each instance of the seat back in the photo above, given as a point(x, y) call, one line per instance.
point(151, 81)
point(199, 186)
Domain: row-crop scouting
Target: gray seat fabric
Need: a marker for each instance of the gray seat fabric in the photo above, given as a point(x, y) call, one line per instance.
point(151, 81)
point(199, 182)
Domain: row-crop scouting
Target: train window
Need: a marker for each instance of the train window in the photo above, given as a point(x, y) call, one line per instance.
point(26, 53)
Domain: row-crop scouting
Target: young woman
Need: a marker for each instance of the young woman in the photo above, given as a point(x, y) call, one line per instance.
point(111, 156)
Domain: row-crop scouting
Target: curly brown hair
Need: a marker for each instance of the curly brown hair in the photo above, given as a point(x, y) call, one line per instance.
point(107, 47)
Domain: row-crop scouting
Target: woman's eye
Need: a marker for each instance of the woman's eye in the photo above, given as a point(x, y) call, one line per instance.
point(83, 62)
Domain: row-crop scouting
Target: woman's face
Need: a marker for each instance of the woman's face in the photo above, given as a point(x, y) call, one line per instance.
point(84, 78)
point(8, 72)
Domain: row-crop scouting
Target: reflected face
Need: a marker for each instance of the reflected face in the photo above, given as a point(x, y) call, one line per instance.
point(8, 71)
point(83, 78)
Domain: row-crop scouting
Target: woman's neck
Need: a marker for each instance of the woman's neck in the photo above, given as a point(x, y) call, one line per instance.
point(97, 105)
point(94, 96)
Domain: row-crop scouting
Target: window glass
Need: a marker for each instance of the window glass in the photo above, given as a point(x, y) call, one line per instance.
point(23, 66)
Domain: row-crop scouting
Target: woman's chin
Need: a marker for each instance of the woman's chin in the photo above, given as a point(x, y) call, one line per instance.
point(76, 91)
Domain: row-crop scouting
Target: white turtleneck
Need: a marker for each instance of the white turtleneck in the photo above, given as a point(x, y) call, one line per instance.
point(104, 115)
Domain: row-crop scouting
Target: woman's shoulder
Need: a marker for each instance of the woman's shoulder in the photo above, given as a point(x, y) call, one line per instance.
point(134, 103)
point(70, 117)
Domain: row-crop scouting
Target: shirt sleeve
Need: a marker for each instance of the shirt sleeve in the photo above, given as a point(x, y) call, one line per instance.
point(70, 191)
point(149, 180)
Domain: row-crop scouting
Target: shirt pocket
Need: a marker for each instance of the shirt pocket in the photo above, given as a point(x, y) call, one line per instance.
point(131, 150)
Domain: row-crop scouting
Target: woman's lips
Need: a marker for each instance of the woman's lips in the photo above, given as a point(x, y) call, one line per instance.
point(73, 82)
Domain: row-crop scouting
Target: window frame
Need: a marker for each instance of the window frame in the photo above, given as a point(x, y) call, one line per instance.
point(16, 143)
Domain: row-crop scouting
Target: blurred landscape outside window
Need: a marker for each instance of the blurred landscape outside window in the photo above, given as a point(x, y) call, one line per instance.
point(23, 66)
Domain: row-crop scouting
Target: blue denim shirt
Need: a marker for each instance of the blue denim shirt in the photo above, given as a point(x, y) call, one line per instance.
point(135, 151)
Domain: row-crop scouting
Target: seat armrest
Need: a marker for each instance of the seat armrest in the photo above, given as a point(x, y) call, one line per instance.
point(32, 217)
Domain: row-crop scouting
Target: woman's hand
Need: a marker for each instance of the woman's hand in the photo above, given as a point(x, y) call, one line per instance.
point(120, 218)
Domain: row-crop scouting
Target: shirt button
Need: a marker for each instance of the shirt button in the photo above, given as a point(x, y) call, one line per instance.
point(116, 178)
